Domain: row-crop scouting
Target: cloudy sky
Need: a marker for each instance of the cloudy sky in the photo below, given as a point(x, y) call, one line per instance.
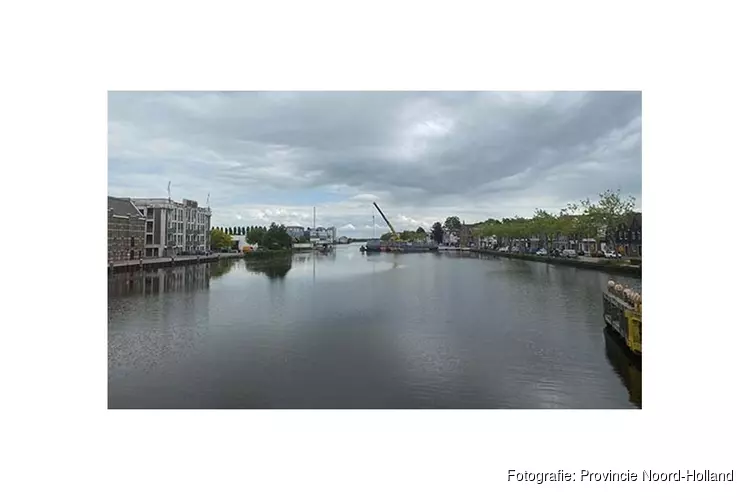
point(423, 156)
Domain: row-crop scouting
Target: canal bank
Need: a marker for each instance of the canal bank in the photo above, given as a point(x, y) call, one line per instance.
point(161, 262)
point(607, 266)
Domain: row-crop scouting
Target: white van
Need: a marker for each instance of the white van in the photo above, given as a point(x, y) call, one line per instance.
point(569, 254)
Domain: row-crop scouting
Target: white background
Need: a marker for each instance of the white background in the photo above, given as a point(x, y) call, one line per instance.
point(59, 60)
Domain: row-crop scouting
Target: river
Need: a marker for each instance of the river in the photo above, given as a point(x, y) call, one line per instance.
point(348, 330)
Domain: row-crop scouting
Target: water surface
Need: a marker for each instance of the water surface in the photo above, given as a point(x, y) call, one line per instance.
point(348, 330)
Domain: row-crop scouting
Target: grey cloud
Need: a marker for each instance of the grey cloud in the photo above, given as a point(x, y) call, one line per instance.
point(422, 155)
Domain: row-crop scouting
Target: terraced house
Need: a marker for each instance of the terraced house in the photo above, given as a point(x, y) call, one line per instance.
point(126, 230)
point(627, 236)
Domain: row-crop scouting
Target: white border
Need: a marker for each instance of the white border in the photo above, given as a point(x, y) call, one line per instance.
point(61, 58)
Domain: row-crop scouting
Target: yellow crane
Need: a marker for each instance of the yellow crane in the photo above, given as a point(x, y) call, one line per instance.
point(393, 231)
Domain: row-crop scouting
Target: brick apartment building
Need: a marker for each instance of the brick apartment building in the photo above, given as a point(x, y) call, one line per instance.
point(126, 230)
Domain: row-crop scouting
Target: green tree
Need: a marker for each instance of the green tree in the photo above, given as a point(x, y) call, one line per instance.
point(611, 210)
point(437, 232)
point(543, 226)
point(410, 236)
point(255, 235)
point(276, 238)
point(386, 236)
point(452, 224)
point(421, 231)
point(220, 239)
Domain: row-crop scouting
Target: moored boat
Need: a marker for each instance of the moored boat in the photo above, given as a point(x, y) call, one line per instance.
point(622, 314)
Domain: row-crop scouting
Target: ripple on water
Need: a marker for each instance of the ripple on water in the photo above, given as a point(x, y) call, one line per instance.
point(355, 331)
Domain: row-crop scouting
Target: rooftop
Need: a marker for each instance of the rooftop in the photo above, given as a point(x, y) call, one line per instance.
point(122, 206)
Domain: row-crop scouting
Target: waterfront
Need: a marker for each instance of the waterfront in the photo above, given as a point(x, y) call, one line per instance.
point(348, 330)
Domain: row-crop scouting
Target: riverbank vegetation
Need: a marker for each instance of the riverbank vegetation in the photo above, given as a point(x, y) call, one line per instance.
point(586, 219)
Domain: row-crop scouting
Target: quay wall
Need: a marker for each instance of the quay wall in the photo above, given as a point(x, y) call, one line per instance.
point(608, 266)
point(156, 263)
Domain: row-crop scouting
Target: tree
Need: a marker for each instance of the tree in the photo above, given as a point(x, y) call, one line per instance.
point(452, 224)
point(255, 235)
point(220, 239)
point(543, 225)
point(386, 236)
point(437, 232)
point(611, 210)
point(276, 238)
point(421, 231)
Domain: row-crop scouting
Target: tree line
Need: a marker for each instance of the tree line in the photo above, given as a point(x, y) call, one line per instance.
point(585, 219)
point(274, 237)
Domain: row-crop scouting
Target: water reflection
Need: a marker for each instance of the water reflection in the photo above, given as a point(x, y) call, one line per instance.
point(374, 331)
point(222, 267)
point(274, 268)
point(626, 369)
point(182, 278)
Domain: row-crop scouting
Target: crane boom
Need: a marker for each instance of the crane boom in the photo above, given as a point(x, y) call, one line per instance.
point(385, 219)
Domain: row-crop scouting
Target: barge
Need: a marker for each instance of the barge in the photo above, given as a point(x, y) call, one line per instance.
point(377, 246)
point(622, 315)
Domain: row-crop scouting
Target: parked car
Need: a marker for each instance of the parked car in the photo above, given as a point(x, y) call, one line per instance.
point(541, 252)
point(503, 249)
point(611, 255)
point(570, 254)
point(581, 253)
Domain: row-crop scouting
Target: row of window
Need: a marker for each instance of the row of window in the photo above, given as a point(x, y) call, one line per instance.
point(629, 235)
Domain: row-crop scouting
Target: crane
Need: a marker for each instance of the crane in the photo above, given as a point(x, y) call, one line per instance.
point(393, 231)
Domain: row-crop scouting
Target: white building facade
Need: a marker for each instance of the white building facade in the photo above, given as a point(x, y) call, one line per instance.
point(174, 228)
point(323, 234)
point(295, 231)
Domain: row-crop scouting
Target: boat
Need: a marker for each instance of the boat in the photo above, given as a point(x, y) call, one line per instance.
point(376, 246)
point(623, 316)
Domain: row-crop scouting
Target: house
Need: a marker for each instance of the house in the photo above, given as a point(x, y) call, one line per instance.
point(627, 236)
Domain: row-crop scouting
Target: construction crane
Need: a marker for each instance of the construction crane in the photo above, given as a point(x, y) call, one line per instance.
point(393, 231)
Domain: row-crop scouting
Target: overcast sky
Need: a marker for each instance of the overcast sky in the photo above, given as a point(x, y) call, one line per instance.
point(423, 156)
